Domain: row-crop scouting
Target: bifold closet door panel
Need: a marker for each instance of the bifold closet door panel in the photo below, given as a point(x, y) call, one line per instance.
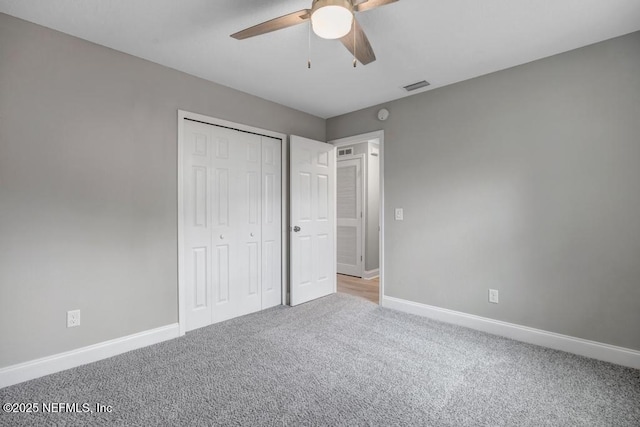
point(236, 223)
point(247, 202)
point(198, 250)
point(271, 222)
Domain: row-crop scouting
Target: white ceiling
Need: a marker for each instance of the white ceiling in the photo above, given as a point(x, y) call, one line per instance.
point(443, 41)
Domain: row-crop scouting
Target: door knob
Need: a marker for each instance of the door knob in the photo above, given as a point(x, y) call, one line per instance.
point(251, 234)
point(296, 229)
point(221, 237)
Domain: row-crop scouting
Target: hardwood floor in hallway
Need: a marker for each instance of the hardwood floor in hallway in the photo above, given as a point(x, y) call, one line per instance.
point(367, 289)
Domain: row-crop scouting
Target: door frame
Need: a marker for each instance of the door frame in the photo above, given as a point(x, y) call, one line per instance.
point(182, 115)
point(372, 137)
point(363, 205)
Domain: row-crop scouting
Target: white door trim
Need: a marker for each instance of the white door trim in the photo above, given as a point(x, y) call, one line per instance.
point(371, 137)
point(182, 115)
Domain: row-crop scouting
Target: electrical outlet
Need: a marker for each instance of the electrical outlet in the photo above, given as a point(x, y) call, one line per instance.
point(73, 318)
point(493, 296)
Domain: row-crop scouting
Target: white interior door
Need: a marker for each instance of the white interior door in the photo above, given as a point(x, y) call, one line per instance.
point(349, 217)
point(313, 250)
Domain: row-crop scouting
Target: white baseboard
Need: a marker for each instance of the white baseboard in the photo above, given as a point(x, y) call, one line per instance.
point(371, 274)
point(595, 350)
point(59, 362)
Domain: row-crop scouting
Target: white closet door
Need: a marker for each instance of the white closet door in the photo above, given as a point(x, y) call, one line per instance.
point(349, 217)
point(232, 199)
point(244, 227)
point(198, 250)
point(225, 222)
point(271, 222)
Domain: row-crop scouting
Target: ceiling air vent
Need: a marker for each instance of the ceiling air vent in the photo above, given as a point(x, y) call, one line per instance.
point(345, 151)
point(415, 86)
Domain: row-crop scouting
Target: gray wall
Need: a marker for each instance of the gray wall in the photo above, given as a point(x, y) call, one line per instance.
point(88, 198)
point(527, 181)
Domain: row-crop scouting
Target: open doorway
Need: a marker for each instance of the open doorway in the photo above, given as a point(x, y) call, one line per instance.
point(358, 215)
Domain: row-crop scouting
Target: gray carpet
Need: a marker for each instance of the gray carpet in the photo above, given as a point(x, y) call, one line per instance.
point(339, 360)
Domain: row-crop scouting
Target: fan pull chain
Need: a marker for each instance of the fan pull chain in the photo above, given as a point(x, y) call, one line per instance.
point(309, 47)
point(355, 62)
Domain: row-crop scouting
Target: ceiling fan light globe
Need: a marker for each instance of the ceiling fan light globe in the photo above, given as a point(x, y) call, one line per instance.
point(331, 21)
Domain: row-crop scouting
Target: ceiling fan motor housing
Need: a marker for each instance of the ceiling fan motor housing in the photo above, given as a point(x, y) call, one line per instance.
point(317, 4)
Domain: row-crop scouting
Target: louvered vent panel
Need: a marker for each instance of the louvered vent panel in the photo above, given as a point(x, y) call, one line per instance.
point(347, 245)
point(346, 197)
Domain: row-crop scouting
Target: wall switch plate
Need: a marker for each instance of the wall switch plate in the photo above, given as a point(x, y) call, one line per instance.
point(73, 318)
point(399, 214)
point(493, 296)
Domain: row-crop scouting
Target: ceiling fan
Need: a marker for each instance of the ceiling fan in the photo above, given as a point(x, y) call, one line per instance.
point(330, 19)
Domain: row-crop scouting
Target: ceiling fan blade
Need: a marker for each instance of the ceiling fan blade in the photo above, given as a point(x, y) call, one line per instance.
point(370, 4)
point(363, 50)
point(285, 21)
